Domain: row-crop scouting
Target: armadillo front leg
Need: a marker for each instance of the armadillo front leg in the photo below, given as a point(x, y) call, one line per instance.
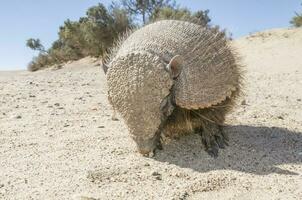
point(212, 137)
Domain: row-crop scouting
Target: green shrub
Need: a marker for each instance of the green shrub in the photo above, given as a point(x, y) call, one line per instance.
point(297, 20)
point(39, 62)
point(199, 17)
point(92, 35)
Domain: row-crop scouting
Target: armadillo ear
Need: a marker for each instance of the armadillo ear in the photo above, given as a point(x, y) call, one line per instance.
point(175, 66)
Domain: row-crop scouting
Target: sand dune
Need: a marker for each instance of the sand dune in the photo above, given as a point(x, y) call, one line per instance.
point(57, 139)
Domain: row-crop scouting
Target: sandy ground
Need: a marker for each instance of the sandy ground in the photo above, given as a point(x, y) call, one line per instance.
point(57, 139)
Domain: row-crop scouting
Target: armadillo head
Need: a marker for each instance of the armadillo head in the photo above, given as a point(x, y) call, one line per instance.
point(138, 86)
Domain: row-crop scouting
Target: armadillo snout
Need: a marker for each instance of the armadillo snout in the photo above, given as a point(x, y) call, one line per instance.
point(147, 147)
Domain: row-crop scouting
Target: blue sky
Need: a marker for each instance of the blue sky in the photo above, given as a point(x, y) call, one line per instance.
point(20, 20)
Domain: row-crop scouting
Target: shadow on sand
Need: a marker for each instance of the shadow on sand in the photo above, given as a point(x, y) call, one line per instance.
point(257, 150)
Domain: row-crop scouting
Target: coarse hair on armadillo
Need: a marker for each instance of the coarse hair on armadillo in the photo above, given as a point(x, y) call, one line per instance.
point(112, 51)
point(185, 121)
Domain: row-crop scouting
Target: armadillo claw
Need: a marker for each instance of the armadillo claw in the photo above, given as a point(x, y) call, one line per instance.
point(212, 139)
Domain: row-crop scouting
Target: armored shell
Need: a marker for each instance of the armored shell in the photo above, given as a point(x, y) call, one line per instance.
point(138, 81)
point(209, 72)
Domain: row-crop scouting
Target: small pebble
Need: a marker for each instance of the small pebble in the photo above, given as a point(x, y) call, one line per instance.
point(184, 196)
point(114, 119)
point(243, 102)
point(101, 126)
point(157, 175)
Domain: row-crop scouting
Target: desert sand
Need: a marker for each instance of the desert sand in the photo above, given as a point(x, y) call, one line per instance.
point(58, 141)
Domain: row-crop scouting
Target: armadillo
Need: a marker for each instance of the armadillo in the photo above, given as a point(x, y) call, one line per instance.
point(172, 78)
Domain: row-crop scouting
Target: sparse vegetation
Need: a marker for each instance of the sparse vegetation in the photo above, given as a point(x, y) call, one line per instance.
point(199, 17)
point(35, 44)
point(144, 9)
point(94, 33)
point(297, 20)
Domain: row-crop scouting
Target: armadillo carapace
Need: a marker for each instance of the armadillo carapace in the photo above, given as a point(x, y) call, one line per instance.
point(174, 77)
